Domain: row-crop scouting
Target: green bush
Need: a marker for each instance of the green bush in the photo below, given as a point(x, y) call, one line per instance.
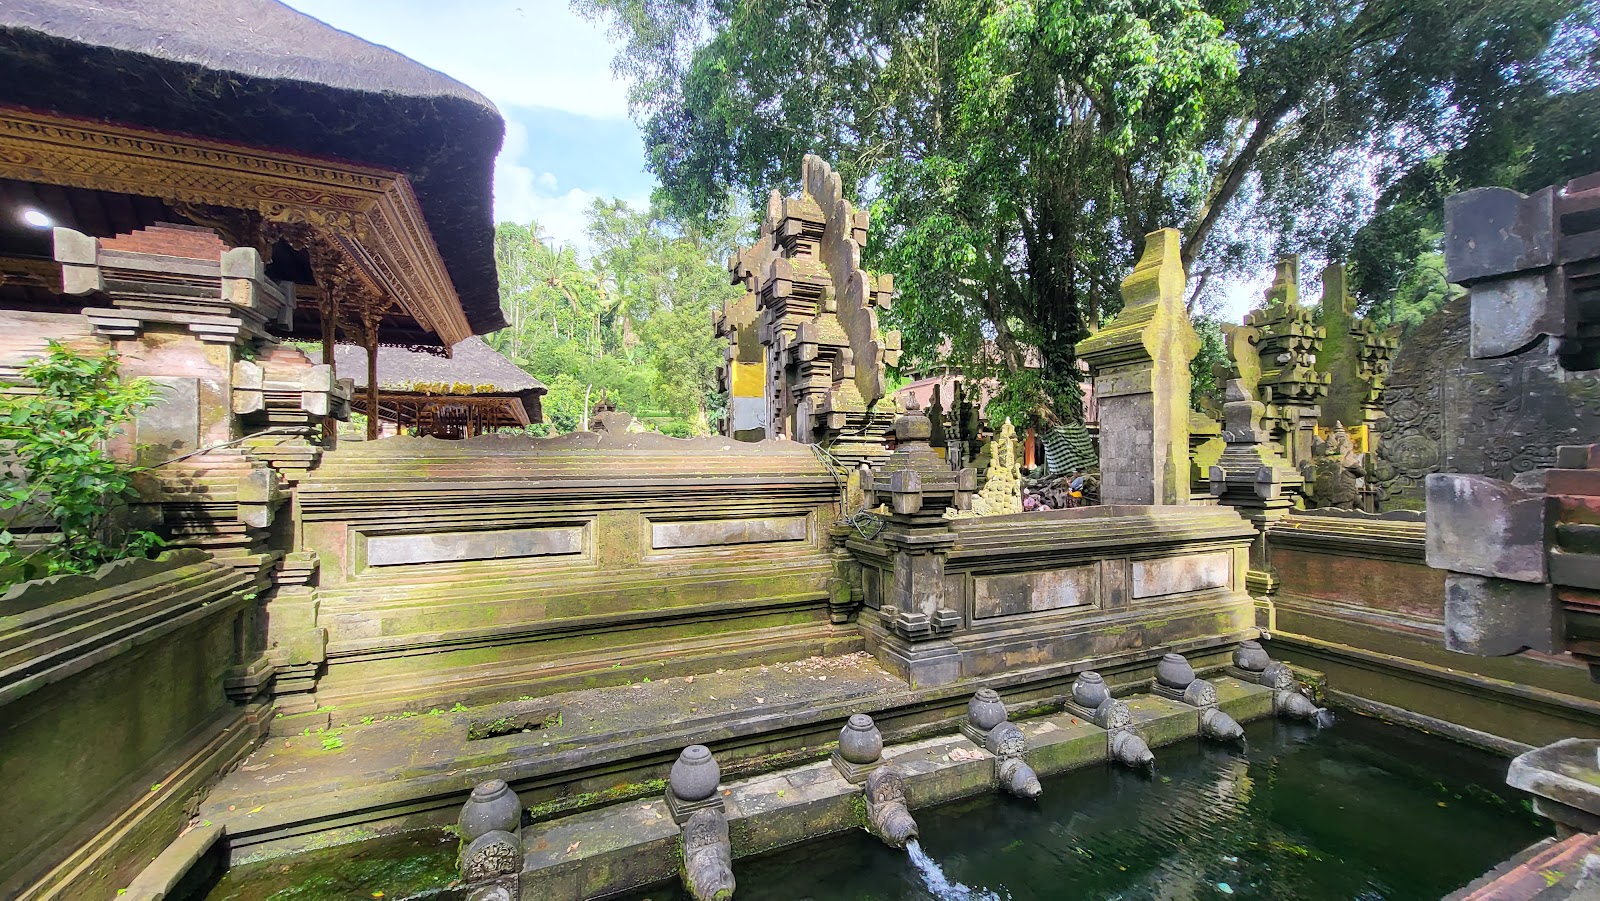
point(59, 471)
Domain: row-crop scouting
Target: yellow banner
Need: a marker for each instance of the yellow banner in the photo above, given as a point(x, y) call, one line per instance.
point(749, 379)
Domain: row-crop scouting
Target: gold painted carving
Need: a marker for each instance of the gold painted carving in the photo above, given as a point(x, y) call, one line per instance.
point(374, 214)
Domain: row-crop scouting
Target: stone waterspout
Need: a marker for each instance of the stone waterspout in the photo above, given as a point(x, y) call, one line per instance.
point(1175, 680)
point(1252, 664)
point(1093, 701)
point(708, 856)
point(987, 727)
point(1007, 744)
point(887, 815)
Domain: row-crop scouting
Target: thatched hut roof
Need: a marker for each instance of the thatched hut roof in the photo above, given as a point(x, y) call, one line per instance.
point(472, 362)
point(257, 73)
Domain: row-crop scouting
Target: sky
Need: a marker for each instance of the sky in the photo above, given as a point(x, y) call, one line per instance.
point(569, 138)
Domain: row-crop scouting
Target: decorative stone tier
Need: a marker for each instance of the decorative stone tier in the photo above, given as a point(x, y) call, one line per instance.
point(112, 695)
point(450, 570)
point(1045, 588)
point(577, 750)
point(632, 846)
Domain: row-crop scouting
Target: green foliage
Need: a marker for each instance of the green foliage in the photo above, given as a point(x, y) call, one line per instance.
point(634, 320)
point(1213, 351)
point(1539, 133)
point(1015, 152)
point(60, 472)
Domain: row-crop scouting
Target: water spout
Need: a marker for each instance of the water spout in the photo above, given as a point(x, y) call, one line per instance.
point(1128, 749)
point(707, 856)
point(939, 885)
point(1291, 704)
point(1219, 726)
point(1018, 778)
point(887, 816)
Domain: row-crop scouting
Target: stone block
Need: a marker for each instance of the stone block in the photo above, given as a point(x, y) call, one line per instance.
point(925, 664)
point(931, 777)
point(1498, 617)
point(1176, 575)
point(1486, 527)
point(854, 773)
point(490, 544)
point(1162, 722)
point(1241, 700)
point(1035, 592)
point(1564, 779)
point(713, 532)
point(1062, 742)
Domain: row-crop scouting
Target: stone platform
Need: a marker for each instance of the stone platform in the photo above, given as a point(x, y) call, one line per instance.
point(629, 846)
point(323, 779)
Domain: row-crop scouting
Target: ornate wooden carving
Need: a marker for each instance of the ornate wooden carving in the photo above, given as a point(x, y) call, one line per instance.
point(374, 214)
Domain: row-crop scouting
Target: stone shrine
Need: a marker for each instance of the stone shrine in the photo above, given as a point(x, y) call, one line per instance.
point(1140, 362)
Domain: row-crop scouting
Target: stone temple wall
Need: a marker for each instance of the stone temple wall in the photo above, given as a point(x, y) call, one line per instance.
point(119, 705)
point(1447, 412)
point(454, 570)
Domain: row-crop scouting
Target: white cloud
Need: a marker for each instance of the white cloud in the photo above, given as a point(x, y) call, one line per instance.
point(532, 53)
point(522, 194)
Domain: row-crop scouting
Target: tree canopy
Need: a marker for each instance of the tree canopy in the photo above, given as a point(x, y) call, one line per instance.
point(1015, 152)
point(634, 319)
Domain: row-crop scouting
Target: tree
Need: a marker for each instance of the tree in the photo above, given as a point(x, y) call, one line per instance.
point(1018, 150)
point(1543, 134)
point(634, 320)
point(60, 472)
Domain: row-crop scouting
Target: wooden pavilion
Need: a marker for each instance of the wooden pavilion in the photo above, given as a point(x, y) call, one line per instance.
point(475, 391)
point(361, 178)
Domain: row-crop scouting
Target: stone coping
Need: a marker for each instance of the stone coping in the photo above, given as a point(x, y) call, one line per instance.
point(416, 770)
point(635, 844)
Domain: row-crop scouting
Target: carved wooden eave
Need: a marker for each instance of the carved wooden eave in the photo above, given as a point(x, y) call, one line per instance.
point(371, 214)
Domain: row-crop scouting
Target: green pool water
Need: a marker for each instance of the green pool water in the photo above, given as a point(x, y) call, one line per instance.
point(1362, 810)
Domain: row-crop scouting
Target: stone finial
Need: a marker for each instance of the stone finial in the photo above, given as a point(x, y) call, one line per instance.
point(692, 783)
point(1174, 672)
point(986, 710)
point(695, 774)
point(1241, 415)
point(1285, 287)
point(1250, 656)
point(1158, 276)
point(860, 748)
point(1089, 690)
point(492, 807)
point(859, 740)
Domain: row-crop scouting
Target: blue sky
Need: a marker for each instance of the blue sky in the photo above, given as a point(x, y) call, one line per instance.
point(568, 135)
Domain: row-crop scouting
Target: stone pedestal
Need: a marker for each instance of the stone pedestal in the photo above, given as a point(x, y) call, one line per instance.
point(1141, 366)
point(919, 489)
point(1564, 779)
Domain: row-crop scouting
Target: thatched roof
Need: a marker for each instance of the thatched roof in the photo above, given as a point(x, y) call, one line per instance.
point(472, 362)
point(257, 73)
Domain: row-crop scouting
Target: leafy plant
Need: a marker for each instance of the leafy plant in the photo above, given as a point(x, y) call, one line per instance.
point(59, 470)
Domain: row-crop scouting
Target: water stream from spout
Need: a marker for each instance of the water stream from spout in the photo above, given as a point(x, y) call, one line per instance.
point(939, 885)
